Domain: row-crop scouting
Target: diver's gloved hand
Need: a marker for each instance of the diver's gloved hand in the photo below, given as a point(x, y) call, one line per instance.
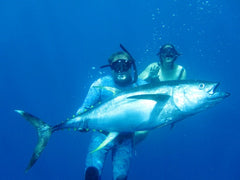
point(153, 70)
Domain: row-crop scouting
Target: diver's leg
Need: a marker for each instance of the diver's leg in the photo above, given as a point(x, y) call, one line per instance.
point(92, 173)
point(122, 153)
point(95, 160)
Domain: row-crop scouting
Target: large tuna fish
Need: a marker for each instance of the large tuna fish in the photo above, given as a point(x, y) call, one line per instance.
point(143, 108)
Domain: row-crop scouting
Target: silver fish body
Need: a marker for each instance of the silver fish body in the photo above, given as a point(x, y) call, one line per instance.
point(149, 106)
point(143, 108)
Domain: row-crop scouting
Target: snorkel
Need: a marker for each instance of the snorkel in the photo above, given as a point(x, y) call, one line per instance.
point(132, 61)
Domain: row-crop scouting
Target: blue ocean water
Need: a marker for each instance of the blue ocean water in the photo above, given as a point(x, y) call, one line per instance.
point(51, 51)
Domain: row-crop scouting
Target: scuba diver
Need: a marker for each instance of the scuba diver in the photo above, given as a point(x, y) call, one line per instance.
point(124, 76)
point(165, 69)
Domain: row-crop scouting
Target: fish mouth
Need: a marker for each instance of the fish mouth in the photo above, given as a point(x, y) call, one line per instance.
point(217, 95)
point(212, 91)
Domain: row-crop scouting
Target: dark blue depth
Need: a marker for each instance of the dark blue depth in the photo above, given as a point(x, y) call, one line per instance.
point(51, 51)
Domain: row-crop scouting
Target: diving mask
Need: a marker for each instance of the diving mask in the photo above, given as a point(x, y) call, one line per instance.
point(121, 65)
point(168, 53)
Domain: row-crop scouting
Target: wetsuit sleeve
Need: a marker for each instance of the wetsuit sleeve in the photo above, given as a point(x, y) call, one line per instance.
point(93, 96)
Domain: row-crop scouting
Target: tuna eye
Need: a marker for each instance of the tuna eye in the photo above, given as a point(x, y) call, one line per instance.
point(201, 86)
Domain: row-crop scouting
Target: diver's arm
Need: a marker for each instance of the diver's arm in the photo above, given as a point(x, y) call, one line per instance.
point(93, 96)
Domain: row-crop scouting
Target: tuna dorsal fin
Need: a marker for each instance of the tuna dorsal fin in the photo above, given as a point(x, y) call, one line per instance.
point(161, 101)
point(108, 88)
point(111, 136)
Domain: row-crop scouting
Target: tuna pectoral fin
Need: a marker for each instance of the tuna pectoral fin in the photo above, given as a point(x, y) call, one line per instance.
point(111, 136)
point(161, 100)
point(155, 97)
point(44, 133)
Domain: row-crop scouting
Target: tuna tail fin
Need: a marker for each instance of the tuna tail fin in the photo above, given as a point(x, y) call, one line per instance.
point(44, 132)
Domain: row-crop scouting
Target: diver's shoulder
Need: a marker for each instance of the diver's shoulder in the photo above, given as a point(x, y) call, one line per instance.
point(102, 81)
point(105, 81)
point(178, 65)
point(107, 78)
point(180, 68)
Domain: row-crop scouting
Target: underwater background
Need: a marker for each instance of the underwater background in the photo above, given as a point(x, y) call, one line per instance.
point(51, 51)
